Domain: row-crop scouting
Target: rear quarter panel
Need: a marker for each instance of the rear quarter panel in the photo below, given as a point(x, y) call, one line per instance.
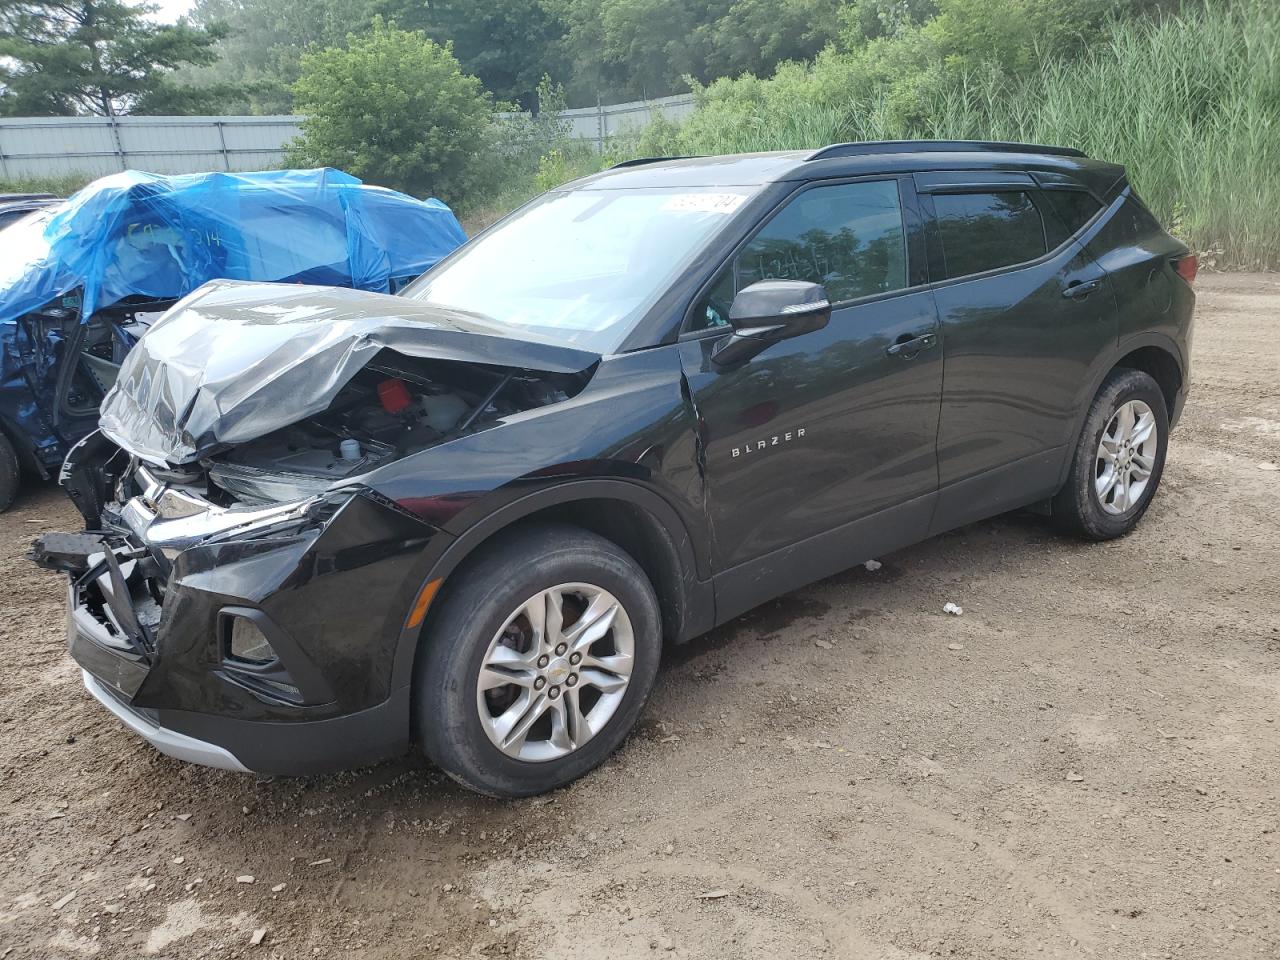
point(1155, 304)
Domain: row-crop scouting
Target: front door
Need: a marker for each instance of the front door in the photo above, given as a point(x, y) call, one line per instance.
point(832, 427)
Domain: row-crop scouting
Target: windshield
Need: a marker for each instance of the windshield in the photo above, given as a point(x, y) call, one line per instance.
point(580, 268)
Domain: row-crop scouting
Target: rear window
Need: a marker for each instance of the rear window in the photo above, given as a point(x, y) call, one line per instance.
point(1067, 212)
point(987, 231)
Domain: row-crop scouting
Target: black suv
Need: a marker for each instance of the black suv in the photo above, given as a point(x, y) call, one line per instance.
point(322, 525)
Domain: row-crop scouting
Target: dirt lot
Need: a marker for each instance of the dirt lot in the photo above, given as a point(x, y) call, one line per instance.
point(1085, 763)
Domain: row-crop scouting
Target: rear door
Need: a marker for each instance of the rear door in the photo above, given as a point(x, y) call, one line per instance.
point(1025, 313)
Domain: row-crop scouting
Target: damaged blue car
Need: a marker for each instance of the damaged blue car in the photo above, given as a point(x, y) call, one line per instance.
point(82, 280)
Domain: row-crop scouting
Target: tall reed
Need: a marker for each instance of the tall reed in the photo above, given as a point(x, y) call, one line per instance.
point(1191, 106)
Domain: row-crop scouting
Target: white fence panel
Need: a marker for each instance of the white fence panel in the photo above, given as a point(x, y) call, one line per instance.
point(56, 146)
point(598, 124)
point(96, 146)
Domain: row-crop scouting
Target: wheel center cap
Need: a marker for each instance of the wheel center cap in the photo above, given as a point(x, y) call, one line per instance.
point(557, 670)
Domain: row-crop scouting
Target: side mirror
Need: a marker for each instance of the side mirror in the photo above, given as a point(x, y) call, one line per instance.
point(769, 311)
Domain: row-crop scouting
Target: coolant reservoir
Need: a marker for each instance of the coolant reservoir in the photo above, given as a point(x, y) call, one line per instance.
point(443, 411)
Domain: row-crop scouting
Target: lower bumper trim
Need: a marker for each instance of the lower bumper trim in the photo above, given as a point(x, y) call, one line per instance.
point(168, 742)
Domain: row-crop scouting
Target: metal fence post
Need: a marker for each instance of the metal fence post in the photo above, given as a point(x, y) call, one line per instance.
point(115, 131)
point(222, 139)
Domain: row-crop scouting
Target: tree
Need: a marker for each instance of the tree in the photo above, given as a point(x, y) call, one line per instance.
point(394, 108)
point(67, 57)
point(754, 36)
point(628, 49)
point(509, 44)
point(261, 54)
point(624, 49)
point(871, 19)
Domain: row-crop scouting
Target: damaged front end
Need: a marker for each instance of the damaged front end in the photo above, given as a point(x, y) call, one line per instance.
point(225, 633)
point(241, 586)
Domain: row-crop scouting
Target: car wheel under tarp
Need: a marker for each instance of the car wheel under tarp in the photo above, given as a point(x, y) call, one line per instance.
point(10, 473)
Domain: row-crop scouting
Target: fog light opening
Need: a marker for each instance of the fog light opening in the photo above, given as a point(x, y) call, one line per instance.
point(247, 644)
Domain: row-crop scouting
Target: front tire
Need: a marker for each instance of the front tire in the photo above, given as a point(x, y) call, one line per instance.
point(1118, 461)
point(538, 661)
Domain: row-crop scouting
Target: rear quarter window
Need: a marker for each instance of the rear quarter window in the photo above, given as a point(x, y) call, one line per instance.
point(1066, 211)
point(1130, 224)
point(987, 231)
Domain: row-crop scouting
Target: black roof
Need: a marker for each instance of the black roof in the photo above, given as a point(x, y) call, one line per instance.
point(854, 159)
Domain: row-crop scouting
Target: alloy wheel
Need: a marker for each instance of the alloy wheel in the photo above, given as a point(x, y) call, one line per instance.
point(1126, 457)
point(556, 672)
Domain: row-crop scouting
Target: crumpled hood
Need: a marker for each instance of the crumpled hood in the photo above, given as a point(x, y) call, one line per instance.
point(235, 361)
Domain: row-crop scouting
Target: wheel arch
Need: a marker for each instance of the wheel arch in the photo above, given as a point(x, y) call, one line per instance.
point(23, 446)
point(636, 519)
point(1161, 364)
point(1154, 354)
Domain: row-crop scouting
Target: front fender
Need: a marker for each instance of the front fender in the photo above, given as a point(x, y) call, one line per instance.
point(437, 564)
point(628, 436)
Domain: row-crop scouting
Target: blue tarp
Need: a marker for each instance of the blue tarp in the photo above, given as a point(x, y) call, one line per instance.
point(138, 234)
point(144, 237)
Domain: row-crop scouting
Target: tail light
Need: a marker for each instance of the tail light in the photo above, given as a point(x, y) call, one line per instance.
point(1187, 267)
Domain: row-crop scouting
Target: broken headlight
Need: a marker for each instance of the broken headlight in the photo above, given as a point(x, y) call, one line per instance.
point(284, 519)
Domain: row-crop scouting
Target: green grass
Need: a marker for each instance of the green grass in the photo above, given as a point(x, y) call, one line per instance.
point(59, 186)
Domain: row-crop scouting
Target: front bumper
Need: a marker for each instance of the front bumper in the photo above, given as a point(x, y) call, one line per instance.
point(269, 749)
point(168, 742)
point(149, 632)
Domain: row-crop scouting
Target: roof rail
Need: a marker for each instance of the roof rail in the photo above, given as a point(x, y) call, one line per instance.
point(641, 161)
point(937, 146)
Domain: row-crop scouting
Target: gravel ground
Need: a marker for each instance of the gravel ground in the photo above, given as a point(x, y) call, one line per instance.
point(1082, 764)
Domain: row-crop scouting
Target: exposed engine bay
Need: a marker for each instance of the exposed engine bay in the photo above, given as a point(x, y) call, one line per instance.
point(247, 397)
point(394, 407)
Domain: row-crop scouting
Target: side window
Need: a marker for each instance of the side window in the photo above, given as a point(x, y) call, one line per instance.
point(849, 237)
point(986, 231)
point(1066, 212)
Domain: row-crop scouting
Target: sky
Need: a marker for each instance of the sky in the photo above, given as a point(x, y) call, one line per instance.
point(170, 10)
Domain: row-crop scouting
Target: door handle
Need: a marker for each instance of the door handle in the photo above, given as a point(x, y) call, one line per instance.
point(907, 346)
point(1079, 289)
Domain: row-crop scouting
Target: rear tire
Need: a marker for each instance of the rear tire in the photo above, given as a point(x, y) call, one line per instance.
point(10, 473)
point(1118, 460)
point(513, 697)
